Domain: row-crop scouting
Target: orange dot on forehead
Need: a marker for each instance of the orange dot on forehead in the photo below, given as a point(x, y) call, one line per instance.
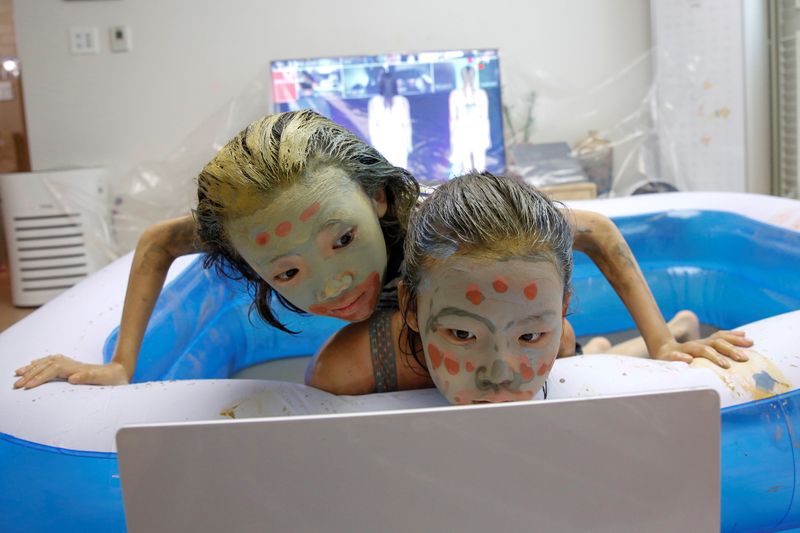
point(474, 294)
point(531, 290)
point(262, 238)
point(500, 285)
point(283, 228)
point(308, 213)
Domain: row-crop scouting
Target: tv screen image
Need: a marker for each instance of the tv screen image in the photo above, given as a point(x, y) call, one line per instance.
point(438, 114)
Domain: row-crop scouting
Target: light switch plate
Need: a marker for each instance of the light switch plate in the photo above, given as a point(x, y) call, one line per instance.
point(84, 40)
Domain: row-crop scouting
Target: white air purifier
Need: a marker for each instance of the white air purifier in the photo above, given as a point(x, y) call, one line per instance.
point(57, 226)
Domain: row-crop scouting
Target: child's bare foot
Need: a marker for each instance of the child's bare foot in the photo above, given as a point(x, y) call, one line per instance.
point(685, 326)
point(597, 345)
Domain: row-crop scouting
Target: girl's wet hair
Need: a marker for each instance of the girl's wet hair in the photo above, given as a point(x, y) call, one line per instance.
point(483, 215)
point(272, 154)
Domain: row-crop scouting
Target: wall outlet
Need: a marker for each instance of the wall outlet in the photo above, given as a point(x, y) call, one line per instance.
point(84, 41)
point(121, 38)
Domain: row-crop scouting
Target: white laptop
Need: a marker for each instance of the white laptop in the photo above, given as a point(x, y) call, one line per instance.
point(625, 463)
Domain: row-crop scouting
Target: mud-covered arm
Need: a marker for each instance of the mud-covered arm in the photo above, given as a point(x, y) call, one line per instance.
point(157, 249)
point(599, 238)
point(155, 252)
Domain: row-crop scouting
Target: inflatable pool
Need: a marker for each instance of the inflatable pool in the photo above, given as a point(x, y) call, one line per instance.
point(732, 258)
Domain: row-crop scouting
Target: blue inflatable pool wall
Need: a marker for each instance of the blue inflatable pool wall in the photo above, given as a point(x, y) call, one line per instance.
point(728, 269)
point(202, 326)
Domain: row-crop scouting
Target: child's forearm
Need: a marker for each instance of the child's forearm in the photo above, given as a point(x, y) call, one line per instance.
point(598, 237)
point(157, 248)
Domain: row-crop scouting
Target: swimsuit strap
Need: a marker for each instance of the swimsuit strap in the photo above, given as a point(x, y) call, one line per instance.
point(381, 347)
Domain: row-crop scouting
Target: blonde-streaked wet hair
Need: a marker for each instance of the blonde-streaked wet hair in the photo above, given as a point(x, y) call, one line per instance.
point(276, 152)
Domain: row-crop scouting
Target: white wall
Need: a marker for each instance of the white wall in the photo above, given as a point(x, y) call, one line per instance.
point(192, 57)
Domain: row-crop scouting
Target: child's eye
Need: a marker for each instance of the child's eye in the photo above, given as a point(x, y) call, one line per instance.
point(530, 337)
point(345, 239)
point(461, 334)
point(287, 275)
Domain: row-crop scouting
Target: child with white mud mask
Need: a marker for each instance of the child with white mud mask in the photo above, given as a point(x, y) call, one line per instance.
point(485, 291)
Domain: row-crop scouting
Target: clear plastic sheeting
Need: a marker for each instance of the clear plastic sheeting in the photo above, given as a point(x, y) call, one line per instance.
point(441, 114)
point(535, 126)
point(604, 134)
point(157, 190)
point(661, 120)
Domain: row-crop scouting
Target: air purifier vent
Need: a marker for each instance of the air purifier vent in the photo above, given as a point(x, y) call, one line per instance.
point(51, 251)
point(57, 230)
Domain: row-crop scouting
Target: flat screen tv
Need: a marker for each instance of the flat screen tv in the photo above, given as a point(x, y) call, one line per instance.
point(438, 114)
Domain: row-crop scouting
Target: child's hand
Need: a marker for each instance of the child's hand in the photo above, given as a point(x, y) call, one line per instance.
point(62, 367)
point(717, 348)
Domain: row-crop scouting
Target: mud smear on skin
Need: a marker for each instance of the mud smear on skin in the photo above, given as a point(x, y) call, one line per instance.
point(756, 378)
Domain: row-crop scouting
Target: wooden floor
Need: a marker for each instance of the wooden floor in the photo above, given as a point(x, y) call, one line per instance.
point(9, 314)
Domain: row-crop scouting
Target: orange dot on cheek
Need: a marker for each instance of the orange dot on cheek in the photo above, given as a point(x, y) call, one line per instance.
point(435, 355)
point(526, 371)
point(531, 290)
point(470, 366)
point(262, 238)
point(474, 294)
point(283, 228)
point(451, 365)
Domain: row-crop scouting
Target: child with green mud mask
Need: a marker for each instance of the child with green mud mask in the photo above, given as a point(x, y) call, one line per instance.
point(485, 291)
point(295, 204)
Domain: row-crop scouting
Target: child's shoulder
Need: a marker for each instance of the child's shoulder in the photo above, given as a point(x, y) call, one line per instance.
point(343, 365)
